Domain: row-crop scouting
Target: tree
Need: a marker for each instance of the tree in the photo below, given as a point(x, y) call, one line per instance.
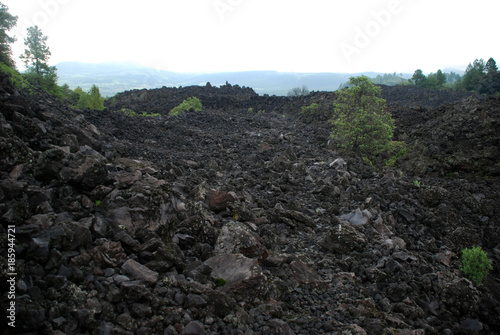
point(473, 75)
point(491, 67)
point(361, 123)
point(419, 78)
point(92, 99)
point(7, 22)
point(298, 91)
point(95, 101)
point(36, 58)
point(440, 79)
point(489, 82)
point(37, 55)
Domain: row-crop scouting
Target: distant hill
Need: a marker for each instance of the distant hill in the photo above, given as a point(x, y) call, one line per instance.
point(113, 78)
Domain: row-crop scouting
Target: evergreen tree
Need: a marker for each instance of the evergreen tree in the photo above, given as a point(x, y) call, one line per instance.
point(7, 22)
point(36, 58)
point(473, 75)
point(361, 124)
point(440, 79)
point(419, 78)
point(489, 82)
point(491, 67)
point(37, 55)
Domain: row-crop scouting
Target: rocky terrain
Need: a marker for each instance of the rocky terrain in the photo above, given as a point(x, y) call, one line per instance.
point(243, 218)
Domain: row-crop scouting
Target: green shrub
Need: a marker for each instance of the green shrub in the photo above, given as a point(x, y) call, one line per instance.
point(188, 104)
point(475, 264)
point(311, 109)
point(396, 150)
point(220, 282)
point(361, 123)
point(15, 77)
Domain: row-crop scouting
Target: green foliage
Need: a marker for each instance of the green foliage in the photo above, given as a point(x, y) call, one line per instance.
point(220, 282)
point(396, 150)
point(481, 77)
point(311, 109)
point(389, 79)
point(473, 75)
point(92, 99)
point(192, 103)
point(250, 110)
point(475, 264)
point(433, 80)
point(131, 113)
point(361, 124)
point(95, 100)
point(36, 58)
point(15, 77)
point(7, 22)
point(37, 54)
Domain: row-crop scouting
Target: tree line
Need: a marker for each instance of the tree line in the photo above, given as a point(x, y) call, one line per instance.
point(38, 71)
point(479, 76)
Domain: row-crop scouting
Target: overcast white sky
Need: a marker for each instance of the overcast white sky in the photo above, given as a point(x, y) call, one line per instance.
point(282, 35)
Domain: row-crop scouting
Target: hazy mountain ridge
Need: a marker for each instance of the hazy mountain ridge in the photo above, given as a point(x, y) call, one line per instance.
point(117, 77)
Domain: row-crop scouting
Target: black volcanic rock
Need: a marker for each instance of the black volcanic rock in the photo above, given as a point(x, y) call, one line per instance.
point(116, 231)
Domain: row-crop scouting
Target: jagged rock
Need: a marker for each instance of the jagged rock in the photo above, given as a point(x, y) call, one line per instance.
point(358, 217)
point(302, 273)
point(343, 238)
point(86, 170)
point(243, 276)
point(140, 271)
point(237, 238)
point(92, 192)
point(218, 200)
point(194, 328)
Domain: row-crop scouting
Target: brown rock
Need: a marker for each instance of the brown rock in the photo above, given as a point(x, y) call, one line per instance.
point(218, 200)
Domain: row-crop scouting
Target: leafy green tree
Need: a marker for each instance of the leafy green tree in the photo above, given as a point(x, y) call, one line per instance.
point(361, 123)
point(7, 22)
point(95, 100)
point(91, 99)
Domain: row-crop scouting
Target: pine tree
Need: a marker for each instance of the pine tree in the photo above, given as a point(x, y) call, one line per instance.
point(361, 122)
point(473, 75)
point(419, 78)
point(7, 22)
point(37, 55)
point(491, 67)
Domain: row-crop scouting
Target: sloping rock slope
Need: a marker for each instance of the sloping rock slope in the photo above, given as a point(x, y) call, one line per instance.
point(230, 222)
